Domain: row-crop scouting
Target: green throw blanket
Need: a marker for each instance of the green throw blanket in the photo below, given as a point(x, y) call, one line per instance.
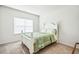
point(43, 41)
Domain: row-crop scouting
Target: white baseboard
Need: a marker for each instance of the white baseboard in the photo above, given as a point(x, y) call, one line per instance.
point(9, 42)
point(71, 45)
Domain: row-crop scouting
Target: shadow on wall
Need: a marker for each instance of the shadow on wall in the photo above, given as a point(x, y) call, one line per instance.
point(59, 29)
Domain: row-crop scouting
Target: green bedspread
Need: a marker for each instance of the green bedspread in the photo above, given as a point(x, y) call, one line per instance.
point(43, 41)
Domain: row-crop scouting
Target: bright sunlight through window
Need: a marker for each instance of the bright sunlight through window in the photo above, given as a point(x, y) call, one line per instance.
point(22, 24)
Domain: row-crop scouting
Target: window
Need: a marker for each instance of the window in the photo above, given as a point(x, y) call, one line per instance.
point(21, 24)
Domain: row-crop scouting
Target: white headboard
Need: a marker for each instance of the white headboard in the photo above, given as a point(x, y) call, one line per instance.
point(50, 27)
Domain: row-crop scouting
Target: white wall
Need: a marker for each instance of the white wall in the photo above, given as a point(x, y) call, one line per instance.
point(69, 24)
point(46, 12)
point(0, 24)
point(66, 16)
point(7, 23)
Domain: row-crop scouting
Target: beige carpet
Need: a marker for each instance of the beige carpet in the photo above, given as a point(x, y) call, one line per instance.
point(19, 48)
point(56, 48)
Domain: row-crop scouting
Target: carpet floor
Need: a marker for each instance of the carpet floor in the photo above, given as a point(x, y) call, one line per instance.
point(19, 48)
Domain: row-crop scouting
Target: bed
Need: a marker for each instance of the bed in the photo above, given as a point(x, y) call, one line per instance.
point(38, 40)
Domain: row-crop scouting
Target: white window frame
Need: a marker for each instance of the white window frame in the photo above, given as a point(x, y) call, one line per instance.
point(23, 30)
